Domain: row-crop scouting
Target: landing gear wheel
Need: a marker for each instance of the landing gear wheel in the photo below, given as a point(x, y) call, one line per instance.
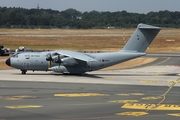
point(23, 72)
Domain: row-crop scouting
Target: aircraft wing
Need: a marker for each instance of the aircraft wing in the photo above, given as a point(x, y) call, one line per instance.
point(76, 55)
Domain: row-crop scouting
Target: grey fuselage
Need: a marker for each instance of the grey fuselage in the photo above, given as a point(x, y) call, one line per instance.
point(70, 62)
point(36, 61)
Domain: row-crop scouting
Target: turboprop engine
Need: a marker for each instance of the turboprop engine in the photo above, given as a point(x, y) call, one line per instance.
point(57, 58)
point(60, 69)
point(69, 61)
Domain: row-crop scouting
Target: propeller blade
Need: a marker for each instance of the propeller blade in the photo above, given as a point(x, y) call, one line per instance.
point(49, 58)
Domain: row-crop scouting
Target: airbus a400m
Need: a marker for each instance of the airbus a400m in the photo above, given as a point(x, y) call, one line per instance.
point(69, 62)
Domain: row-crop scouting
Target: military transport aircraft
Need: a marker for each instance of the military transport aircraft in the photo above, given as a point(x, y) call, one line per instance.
point(69, 62)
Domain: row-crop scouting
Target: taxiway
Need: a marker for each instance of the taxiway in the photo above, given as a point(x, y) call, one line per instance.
point(144, 92)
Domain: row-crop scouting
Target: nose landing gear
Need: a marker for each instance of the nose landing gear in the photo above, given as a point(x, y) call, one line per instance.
point(23, 72)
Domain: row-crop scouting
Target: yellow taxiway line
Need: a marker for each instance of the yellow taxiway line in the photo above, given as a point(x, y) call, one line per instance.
point(79, 95)
point(22, 106)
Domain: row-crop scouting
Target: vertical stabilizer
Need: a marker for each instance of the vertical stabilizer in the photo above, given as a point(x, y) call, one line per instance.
point(142, 38)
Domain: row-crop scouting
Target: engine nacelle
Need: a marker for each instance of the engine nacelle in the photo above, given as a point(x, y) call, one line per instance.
point(69, 61)
point(59, 69)
point(54, 58)
point(68, 69)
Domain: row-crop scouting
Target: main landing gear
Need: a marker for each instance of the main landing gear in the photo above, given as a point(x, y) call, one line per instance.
point(23, 72)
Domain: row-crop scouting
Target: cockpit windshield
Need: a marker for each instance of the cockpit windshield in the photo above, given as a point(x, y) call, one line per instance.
point(15, 55)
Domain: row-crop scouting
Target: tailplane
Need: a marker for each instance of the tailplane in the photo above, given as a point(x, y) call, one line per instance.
point(142, 38)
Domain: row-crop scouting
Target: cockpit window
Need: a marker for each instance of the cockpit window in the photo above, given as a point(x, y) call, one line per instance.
point(15, 56)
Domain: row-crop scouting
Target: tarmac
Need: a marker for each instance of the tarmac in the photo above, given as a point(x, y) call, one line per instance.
point(140, 93)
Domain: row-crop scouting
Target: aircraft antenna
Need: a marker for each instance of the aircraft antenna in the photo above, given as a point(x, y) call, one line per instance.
point(38, 6)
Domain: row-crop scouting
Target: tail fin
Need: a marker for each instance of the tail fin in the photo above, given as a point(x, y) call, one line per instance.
point(142, 38)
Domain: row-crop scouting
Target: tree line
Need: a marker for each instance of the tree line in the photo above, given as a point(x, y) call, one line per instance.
point(73, 19)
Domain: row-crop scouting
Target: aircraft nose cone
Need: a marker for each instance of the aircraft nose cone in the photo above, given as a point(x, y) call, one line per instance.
point(8, 62)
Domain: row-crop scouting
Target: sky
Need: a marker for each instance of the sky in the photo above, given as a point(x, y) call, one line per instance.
point(135, 6)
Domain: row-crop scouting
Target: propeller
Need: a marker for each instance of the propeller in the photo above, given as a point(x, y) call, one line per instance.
point(58, 59)
point(55, 57)
point(49, 58)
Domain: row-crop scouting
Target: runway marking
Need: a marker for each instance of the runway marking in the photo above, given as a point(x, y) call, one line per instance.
point(140, 106)
point(158, 74)
point(16, 97)
point(150, 81)
point(170, 87)
point(175, 115)
point(79, 95)
point(132, 114)
point(135, 94)
point(174, 82)
point(22, 106)
point(123, 94)
point(124, 101)
point(162, 61)
point(152, 98)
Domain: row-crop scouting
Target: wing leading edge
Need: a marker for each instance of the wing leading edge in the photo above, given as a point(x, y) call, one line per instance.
point(76, 55)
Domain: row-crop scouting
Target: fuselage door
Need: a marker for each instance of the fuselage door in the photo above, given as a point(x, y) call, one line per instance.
point(27, 62)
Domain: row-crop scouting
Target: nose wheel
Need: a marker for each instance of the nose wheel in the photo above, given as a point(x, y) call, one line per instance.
point(23, 72)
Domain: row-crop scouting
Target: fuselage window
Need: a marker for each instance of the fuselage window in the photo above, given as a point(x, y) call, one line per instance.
point(27, 56)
